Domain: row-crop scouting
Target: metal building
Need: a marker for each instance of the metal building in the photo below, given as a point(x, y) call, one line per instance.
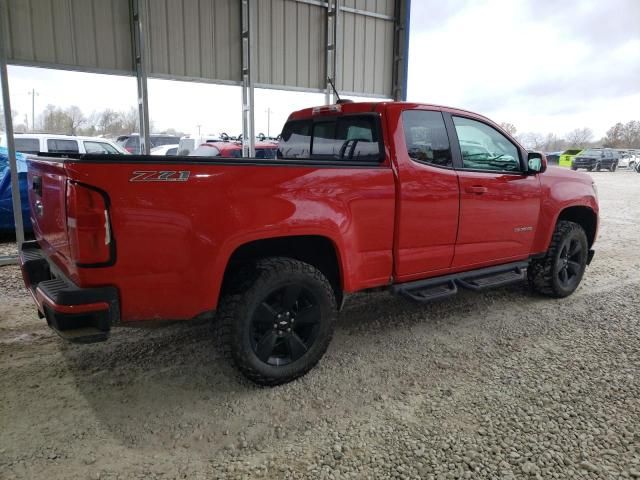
point(360, 45)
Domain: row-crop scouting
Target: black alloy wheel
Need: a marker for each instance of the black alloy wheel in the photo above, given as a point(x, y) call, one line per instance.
point(570, 263)
point(276, 319)
point(560, 271)
point(285, 325)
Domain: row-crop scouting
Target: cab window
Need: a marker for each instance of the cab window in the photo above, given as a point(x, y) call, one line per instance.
point(56, 145)
point(484, 148)
point(426, 137)
point(27, 145)
point(348, 138)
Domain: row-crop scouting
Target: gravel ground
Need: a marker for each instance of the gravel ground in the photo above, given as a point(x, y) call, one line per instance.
point(505, 384)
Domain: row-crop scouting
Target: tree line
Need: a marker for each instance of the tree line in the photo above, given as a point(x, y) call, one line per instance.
point(73, 121)
point(621, 135)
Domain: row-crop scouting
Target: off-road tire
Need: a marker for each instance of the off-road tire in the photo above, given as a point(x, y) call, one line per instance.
point(542, 273)
point(238, 305)
point(613, 167)
point(598, 167)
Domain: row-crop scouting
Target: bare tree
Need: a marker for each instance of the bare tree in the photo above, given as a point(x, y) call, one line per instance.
point(14, 114)
point(54, 120)
point(109, 122)
point(532, 140)
point(130, 121)
point(510, 128)
point(580, 137)
point(75, 119)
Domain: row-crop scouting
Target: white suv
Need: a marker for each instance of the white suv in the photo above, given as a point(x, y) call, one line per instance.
point(50, 143)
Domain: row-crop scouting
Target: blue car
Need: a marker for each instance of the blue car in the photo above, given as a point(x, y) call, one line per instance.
point(6, 207)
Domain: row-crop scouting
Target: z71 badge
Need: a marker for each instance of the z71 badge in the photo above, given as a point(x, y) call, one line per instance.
point(160, 176)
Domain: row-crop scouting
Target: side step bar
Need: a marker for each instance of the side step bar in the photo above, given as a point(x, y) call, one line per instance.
point(441, 287)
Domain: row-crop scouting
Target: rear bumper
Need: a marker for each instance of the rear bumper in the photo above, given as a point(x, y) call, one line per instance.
point(80, 315)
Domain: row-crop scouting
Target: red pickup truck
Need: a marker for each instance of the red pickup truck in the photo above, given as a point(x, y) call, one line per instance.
point(417, 199)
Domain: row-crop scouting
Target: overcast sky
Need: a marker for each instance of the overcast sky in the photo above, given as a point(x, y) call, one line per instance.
point(544, 65)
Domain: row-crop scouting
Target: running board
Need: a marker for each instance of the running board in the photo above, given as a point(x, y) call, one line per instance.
point(424, 291)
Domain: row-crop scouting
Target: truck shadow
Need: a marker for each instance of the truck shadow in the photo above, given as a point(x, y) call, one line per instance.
point(170, 388)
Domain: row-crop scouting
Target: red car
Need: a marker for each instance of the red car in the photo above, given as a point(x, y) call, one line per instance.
point(234, 150)
point(420, 200)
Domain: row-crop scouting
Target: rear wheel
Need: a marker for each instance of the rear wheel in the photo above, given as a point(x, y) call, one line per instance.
point(559, 273)
point(280, 323)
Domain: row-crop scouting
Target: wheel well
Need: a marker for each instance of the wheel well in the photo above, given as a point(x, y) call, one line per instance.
point(583, 216)
point(314, 250)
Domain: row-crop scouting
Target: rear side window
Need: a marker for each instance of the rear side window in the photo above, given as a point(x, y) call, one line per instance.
point(27, 145)
point(205, 151)
point(159, 141)
point(348, 138)
point(426, 137)
point(132, 142)
point(55, 145)
point(100, 147)
point(296, 140)
point(265, 153)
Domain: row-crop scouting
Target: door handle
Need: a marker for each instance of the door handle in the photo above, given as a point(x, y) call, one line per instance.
point(476, 189)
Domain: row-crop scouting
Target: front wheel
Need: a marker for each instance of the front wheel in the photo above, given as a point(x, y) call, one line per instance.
point(613, 167)
point(559, 273)
point(280, 323)
point(598, 167)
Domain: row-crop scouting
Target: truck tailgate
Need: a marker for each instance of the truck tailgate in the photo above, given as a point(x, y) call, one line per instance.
point(47, 182)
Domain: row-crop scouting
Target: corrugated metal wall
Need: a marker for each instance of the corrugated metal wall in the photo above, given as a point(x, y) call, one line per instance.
point(290, 46)
point(365, 61)
point(193, 39)
point(90, 34)
point(201, 40)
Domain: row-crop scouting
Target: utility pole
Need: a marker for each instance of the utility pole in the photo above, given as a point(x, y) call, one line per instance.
point(268, 112)
point(33, 94)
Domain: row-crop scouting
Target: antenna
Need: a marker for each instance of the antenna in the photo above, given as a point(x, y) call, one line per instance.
point(334, 89)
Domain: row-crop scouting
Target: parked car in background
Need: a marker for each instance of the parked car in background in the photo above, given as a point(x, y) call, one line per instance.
point(566, 157)
point(171, 149)
point(596, 159)
point(234, 150)
point(131, 142)
point(189, 143)
point(6, 204)
point(51, 143)
point(553, 158)
point(628, 159)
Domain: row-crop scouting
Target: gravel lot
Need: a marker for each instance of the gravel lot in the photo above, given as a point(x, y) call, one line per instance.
point(498, 385)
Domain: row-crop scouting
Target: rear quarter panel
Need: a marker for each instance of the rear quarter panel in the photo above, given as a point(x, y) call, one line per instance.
point(174, 239)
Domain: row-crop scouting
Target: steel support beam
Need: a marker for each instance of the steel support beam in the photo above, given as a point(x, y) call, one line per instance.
point(137, 21)
point(11, 147)
point(331, 50)
point(249, 12)
point(401, 49)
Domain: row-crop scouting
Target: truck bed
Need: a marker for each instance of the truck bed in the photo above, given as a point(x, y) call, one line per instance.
point(175, 222)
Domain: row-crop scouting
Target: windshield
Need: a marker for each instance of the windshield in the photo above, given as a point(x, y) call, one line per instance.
point(592, 153)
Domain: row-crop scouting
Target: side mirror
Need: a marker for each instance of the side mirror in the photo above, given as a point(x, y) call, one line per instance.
point(536, 162)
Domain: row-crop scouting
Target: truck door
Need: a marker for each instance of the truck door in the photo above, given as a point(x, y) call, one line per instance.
point(427, 195)
point(499, 202)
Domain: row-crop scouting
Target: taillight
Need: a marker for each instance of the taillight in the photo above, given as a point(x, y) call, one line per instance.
point(88, 225)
